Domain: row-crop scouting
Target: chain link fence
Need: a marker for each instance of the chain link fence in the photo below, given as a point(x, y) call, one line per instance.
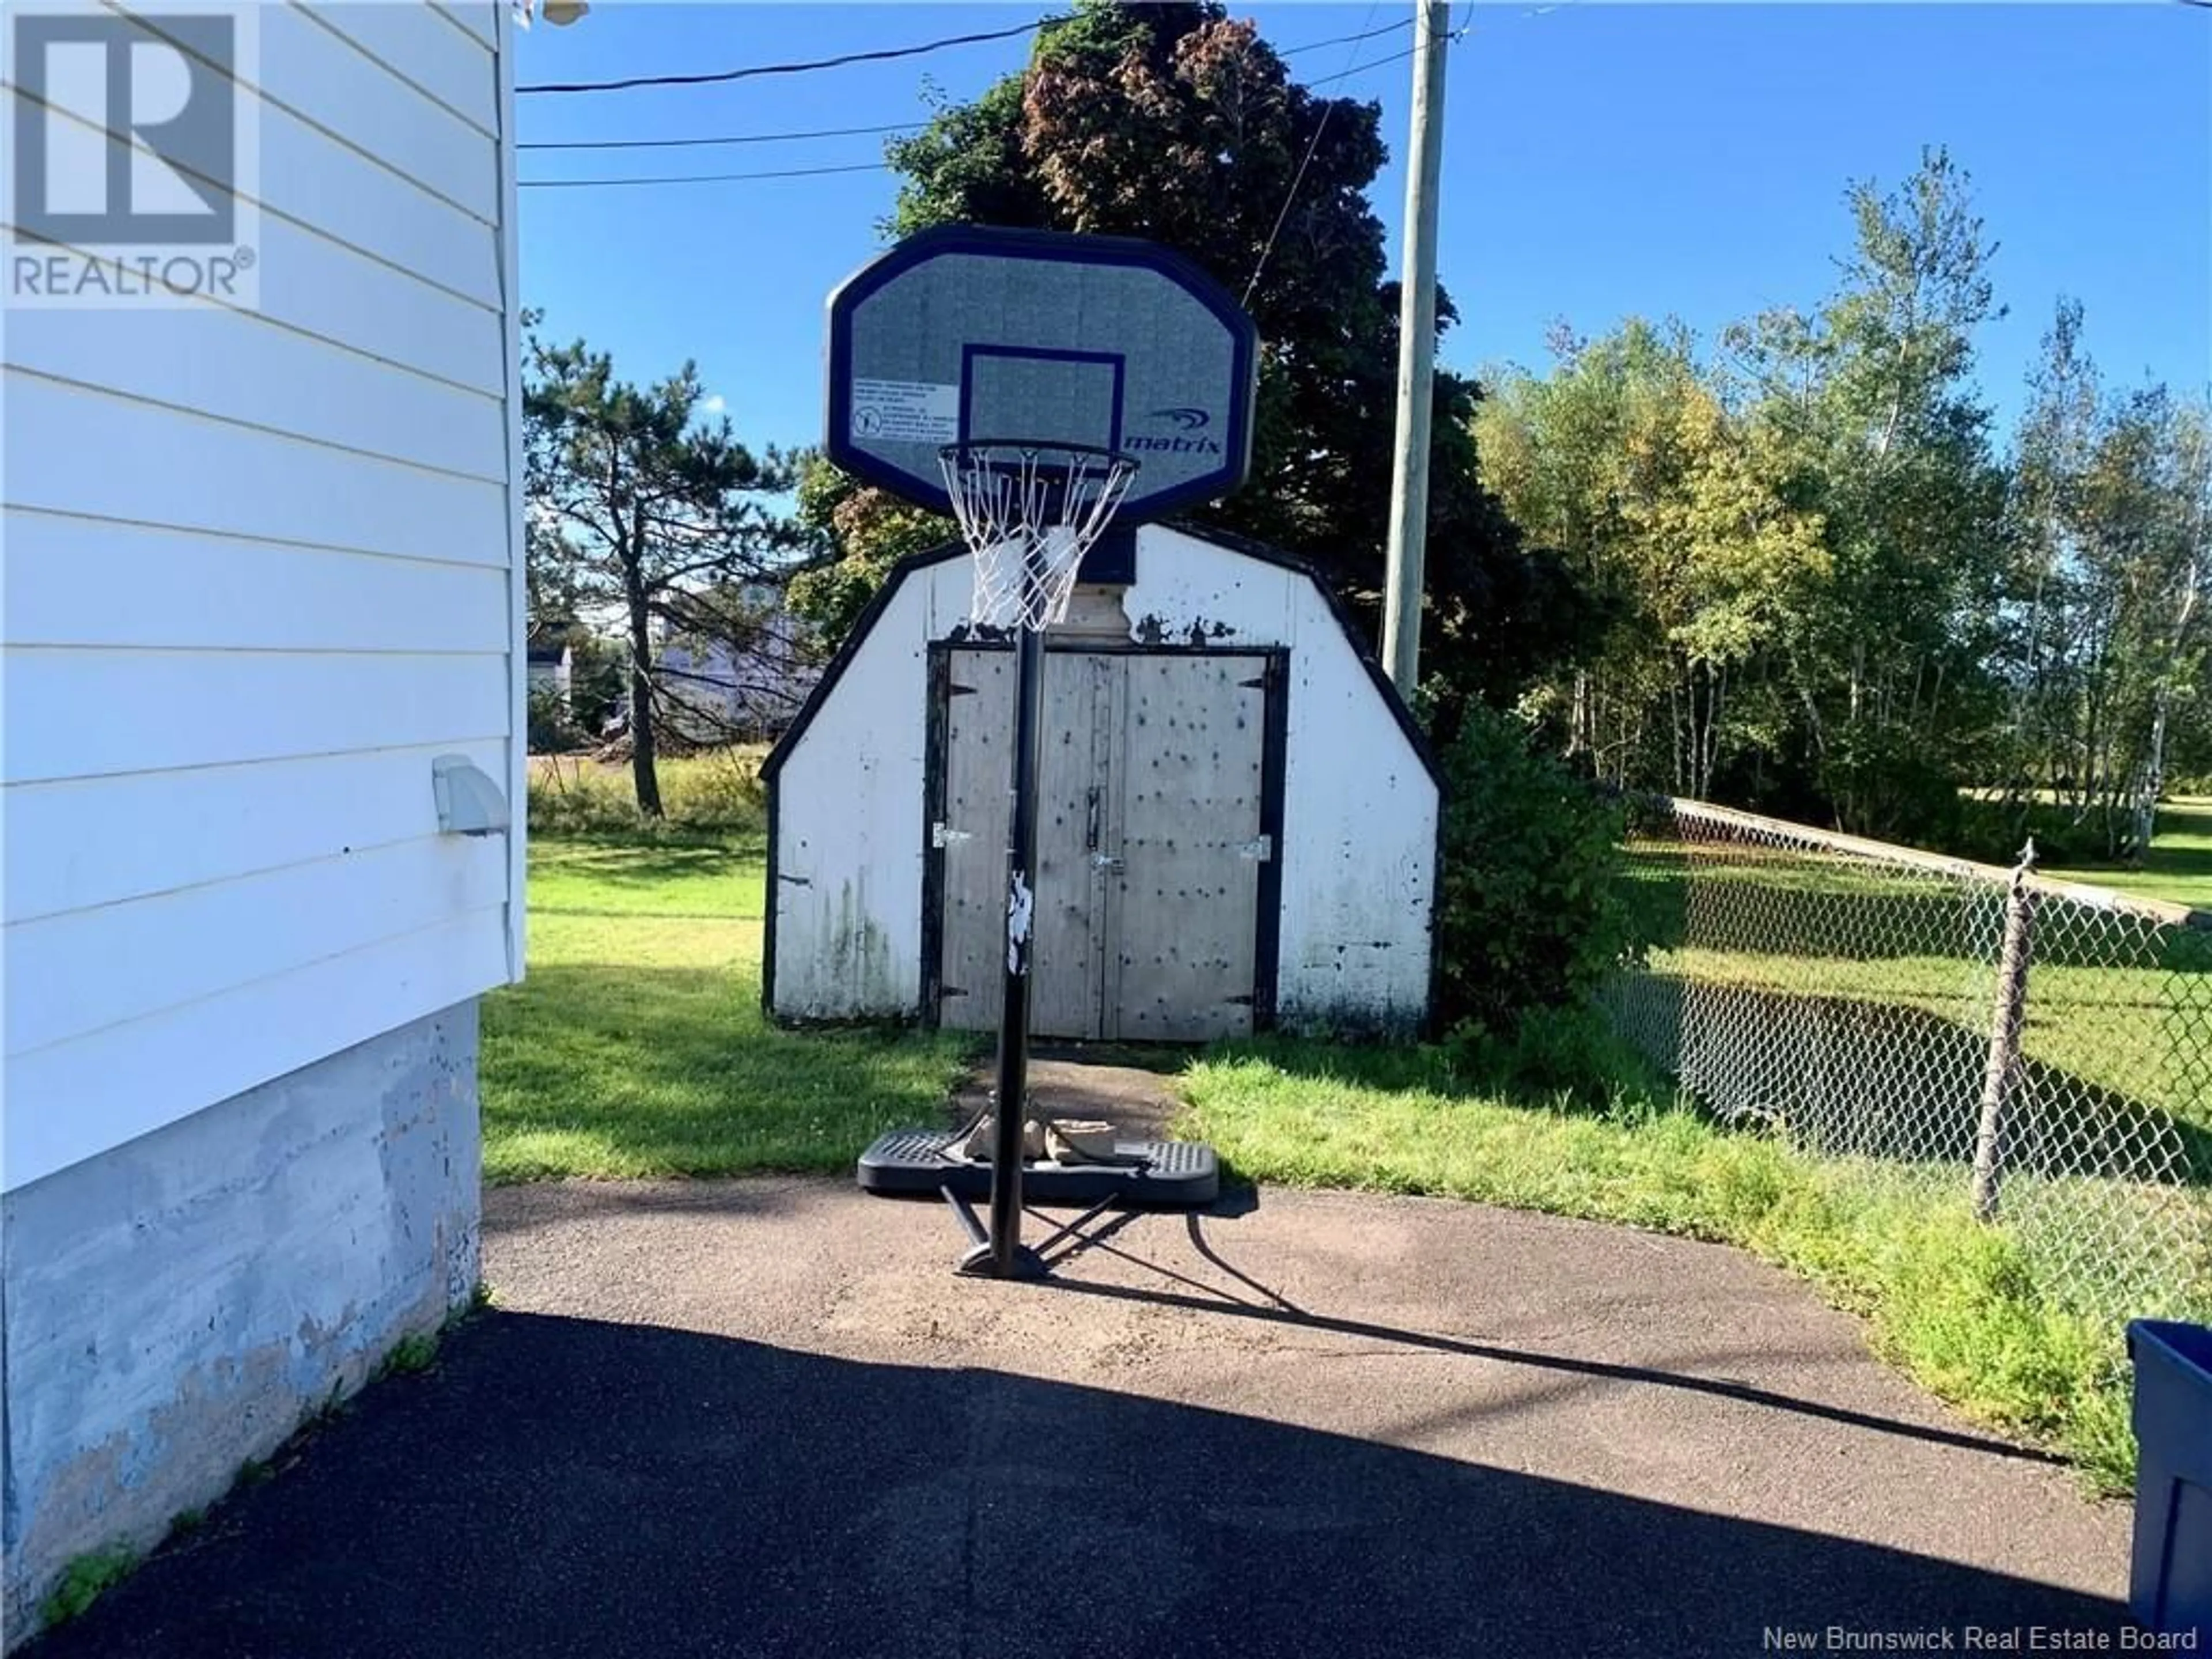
point(2039, 1052)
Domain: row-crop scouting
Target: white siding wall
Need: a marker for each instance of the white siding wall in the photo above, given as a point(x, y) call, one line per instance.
point(260, 567)
point(1359, 810)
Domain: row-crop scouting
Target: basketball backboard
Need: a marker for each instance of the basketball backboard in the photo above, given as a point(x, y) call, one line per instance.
point(973, 335)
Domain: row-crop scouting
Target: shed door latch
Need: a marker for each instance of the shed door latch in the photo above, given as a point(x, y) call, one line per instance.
point(1262, 848)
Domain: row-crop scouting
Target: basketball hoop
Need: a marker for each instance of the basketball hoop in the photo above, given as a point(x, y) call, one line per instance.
point(943, 351)
point(1029, 511)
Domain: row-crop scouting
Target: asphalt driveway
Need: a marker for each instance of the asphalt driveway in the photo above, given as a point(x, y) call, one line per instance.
point(763, 1418)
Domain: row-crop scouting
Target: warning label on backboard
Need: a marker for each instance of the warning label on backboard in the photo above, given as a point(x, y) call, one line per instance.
point(906, 411)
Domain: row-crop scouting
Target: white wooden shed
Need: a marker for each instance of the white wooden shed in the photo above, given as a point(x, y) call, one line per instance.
point(1238, 816)
point(264, 668)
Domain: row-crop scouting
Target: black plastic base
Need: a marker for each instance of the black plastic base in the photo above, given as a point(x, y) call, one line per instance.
point(910, 1163)
point(980, 1263)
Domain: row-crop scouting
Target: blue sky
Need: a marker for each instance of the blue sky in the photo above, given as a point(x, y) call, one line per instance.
point(1598, 160)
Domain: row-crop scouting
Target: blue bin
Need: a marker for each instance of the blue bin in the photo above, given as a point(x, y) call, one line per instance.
point(2170, 1589)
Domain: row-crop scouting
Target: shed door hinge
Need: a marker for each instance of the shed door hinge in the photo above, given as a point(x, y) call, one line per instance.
point(940, 836)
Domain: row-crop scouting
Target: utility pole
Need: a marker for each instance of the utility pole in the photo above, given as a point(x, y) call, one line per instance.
point(1417, 351)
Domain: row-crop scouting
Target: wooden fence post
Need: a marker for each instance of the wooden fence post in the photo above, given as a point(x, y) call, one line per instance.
point(2004, 1035)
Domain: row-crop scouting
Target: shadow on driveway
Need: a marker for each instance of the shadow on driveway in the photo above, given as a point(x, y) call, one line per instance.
point(559, 1486)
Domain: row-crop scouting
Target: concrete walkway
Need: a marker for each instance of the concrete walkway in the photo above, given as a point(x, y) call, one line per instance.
point(761, 1417)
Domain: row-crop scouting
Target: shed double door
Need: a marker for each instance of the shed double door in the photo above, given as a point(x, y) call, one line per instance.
point(1152, 841)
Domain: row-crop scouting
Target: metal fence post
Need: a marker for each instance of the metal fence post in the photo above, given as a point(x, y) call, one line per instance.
point(2004, 1034)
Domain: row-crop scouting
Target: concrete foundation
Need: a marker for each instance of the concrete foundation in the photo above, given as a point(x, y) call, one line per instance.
point(176, 1307)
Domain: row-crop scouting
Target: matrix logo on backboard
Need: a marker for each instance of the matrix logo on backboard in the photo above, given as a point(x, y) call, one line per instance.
point(1191, 421)
point(133, 163)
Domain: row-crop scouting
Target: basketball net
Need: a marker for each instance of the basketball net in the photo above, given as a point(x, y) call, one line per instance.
point(1030, 511)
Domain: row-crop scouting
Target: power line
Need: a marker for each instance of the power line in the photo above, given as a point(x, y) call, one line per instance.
point(1289, 198)
point(695, 178)
point(738, 138)
point(877, 166)
point(1299, 178)
point(732, 139)
point(722, 77)
point(1367, 34)
point(1400, 57)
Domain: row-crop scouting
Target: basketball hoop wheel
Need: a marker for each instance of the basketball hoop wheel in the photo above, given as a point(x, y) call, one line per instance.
point(1030, 511)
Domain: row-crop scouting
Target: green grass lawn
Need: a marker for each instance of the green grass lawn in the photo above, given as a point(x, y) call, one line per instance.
point(2178, 867)
point(636, 1045)
point(2111, 1038)
point(1959, 1305)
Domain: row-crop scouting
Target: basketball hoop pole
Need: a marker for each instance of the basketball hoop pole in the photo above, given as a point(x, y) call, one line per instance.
point(1028, 511)
point(1008, 1259)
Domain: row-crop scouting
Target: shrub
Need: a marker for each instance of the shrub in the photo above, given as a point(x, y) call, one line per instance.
point(1992, 832)
point(552, 729)
point(1529, 908)
point(1886, 787)
point(1556, 1054)
point(718, 792)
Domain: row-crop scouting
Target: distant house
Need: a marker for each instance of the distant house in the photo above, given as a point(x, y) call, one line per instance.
point(720, 692)
point(551, 670)
point(264, 668)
